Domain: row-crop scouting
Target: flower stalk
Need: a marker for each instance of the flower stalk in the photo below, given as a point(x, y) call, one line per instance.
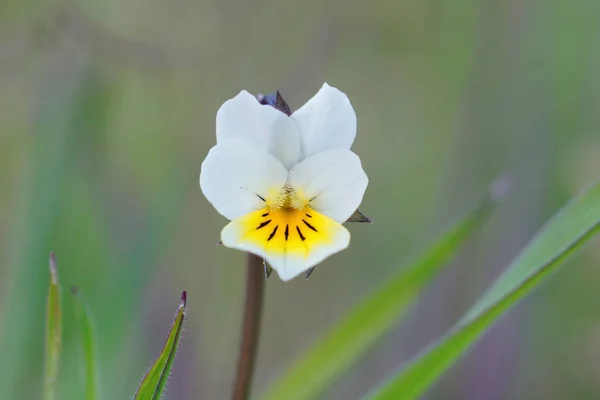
point(255, 283)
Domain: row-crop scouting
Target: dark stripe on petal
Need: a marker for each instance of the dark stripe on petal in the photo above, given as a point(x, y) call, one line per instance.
point(300, 233)
point(263, 224)
point(273, 233)
point(309, 216)
point(310, 226)
point(287, 231)
point(265, 214)
point(260, 197)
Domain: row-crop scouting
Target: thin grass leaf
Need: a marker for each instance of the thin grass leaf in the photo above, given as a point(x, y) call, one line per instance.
point(88, 345)
point(155, 381)
point(44, 190)
point(53, 340)
point(568, 230)
point(352, 336)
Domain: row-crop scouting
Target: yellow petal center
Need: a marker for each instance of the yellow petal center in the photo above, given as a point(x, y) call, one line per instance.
point(288, 224)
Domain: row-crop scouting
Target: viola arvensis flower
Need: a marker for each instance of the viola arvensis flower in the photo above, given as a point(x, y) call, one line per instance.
point(287, 183)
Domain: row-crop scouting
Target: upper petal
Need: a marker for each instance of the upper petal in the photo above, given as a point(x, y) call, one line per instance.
point(244, 118)
point(235, 176)
point(326, 121)
point(334, 181)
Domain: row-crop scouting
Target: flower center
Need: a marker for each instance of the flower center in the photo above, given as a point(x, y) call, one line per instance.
point(287, 229)
point(287, 225)
point(286, 198)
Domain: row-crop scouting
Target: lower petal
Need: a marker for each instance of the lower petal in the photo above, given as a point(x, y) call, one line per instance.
point(290, 240)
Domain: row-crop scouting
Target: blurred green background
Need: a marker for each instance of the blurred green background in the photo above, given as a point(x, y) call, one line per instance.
point(107, 111)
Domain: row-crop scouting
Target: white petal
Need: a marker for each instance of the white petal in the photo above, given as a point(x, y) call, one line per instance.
point(244, 118)
point(284, 239)
point(235, 174)
point(333, 179)
point(327, 121)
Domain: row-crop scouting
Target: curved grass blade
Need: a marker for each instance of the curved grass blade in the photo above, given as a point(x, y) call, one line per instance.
point(574, 225)
point(53, 342)
point(373, 317)
point(88, 344)
point(155, 381)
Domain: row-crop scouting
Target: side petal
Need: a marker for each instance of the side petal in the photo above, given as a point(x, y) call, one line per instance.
point(292, 241)
point(326, 121)
point(244, 118)
point(332, 181)
point(237, 178)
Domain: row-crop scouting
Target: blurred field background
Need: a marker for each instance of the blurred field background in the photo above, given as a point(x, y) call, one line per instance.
point(108, 109)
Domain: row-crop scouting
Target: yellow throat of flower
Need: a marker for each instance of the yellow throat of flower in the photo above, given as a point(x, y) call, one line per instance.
point(287, 224)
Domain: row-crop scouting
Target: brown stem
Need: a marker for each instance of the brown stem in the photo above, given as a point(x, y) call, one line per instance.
point(255, 283)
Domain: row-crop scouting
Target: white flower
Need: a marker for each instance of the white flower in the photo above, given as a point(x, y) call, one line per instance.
point(286, 183)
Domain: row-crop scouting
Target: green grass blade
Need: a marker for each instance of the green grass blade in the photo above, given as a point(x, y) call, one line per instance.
point(574, 225)
point(53, 340)
point(53, 109)
point(373, 317)
point(155, 381)
point(88, 346)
